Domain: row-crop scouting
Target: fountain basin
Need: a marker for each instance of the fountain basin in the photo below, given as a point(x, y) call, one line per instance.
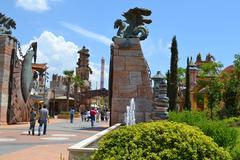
point(86, 147)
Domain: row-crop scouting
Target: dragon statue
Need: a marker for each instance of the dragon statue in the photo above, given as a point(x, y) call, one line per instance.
point(136, 24)
point(26, 73)
point(6, 24)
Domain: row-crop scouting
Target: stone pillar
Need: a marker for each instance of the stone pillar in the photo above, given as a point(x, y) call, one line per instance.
point(129, 78)
point(7, 45)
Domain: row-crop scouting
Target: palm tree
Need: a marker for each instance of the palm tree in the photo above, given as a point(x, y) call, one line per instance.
point(69, 75)
point(78, 82)
point(72, 79)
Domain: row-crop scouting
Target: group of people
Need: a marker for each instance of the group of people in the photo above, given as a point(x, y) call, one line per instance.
point(91, 114)
point(42, 120)
point(101, 115)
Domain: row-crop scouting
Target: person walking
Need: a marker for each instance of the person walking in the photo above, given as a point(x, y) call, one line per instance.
point(93, 113)
point(71, 115)
point(33, 115)
point(43, 118)
point(88, 115)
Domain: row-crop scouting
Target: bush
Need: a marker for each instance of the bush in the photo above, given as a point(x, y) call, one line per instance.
point(66, 115)
point(221, 133)
point(233, 121)
point(235, 151)
point(159, 141)
point(188, 117)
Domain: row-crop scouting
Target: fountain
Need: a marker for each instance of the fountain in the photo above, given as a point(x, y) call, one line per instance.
point(130, 114)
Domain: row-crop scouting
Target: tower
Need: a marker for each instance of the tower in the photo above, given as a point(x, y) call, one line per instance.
point(83, 70)
point(193, 72)
point(102, 73)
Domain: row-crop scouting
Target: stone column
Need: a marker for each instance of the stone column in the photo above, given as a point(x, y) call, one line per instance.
point(129, 78)
point(7, 45)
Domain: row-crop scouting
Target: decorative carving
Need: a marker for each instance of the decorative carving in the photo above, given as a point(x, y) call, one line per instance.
point(26, 73)
point(136, 24)
point(6, 24)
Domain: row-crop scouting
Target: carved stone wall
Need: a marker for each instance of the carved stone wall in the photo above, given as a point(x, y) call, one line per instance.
point(7, 44)
point(129, 78)
point(13, 109)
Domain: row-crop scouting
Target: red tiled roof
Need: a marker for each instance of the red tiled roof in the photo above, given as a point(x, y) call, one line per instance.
point(228, 69)
point(41, 67)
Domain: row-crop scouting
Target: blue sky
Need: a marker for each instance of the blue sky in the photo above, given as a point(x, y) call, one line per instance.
point(61, 27)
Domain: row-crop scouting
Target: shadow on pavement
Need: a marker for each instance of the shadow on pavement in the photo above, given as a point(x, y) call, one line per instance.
point(92, 129)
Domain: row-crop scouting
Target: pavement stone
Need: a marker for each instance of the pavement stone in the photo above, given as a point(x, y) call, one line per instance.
point(60, 135)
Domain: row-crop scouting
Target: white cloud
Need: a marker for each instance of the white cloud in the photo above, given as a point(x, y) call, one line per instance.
point(101, 38)
point(151, 48)
point(35, 5)
point(164, 47)
point(60, 55)
point(54, 50)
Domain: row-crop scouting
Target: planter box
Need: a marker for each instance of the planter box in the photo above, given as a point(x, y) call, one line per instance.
point(66, 116)
point(85, 148)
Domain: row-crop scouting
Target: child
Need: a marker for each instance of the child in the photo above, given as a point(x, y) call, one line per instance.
point(32, 121)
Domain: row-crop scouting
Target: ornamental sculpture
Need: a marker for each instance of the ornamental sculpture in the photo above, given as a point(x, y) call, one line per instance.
point(136, 24)
point(26, 73)
point(6, 24)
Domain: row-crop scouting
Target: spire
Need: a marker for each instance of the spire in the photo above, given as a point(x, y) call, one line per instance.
point(191, 62)
point(199, 57)
point(102, 73)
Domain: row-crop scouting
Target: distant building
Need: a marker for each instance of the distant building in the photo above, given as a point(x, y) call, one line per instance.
point(57, 95)
point(198, 95)
point(39, 82)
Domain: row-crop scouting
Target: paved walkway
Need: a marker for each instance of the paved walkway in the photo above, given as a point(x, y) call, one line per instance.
point(16, 144)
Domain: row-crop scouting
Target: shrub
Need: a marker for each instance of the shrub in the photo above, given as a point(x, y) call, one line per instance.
point(221, 133)
point(235, 151)
point(188, 117)
point(66, 115)
point(159, 141)
point(233, 121)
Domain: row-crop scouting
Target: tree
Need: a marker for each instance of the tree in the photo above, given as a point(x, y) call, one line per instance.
point(173, 75)
point(231, 107)
point(69, 75)
point(78, 82)
point(210, 69)
point(168, 83)
point(236, 63)
point(210, 80)
point(231, 93)
point(214, 91)
point(187, 102)
point(181, 75)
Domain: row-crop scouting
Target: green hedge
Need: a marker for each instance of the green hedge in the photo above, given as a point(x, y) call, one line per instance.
point(66, 115)
point(188, 117)
point(220, 131)
point(233, 121)
point(160, 140)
